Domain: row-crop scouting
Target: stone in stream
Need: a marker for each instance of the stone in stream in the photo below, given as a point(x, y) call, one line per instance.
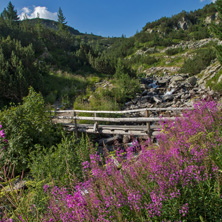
point(157, 99)
point(126, 139)
point(110, 140)
point(144, 93)
point(168, 97)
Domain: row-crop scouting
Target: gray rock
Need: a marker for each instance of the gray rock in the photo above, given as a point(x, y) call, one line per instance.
point(154, 90)
point(157, 99)
point(186, 96)
point(143, 86)
point(211, 93)
point(128, 103)
point(144, 93)
point(110, 140)
point(134, 101)
point(168, 97)
point(219, 80)
point(126, 139)
point(192, 80)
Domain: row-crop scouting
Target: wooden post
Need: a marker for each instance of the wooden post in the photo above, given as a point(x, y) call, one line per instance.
point(148, 124)
point(76, 127)
point(95, 127)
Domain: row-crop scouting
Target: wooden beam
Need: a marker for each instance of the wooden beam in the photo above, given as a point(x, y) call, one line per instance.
point(125, 111)
point(148, 124)
point(120, 132)
point(129, 127)
point(107, 119)
point(76, 126)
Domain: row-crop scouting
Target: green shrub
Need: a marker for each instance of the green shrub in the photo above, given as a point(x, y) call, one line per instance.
point(19, 70)
point(101, 99)
point(51, 98)
point(125, 85)
point(26, 125)
point(59, 161)
point(143, 59)
point(199, 62)
point(174, 51)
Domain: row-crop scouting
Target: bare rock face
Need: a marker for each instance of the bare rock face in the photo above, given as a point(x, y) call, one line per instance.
point(183, 25)
point(212, 18)
point(209, 73)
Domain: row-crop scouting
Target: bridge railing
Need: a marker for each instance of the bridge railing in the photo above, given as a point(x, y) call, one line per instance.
point(73, 115)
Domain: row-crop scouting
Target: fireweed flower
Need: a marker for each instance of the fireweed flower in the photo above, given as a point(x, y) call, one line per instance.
point(145, 184)
point(45, 187)
point(2, 134)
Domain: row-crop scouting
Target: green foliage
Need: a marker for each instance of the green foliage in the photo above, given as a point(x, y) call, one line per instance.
point(195, 20)
point(125, 85)
point(25, 126)
point(174, 51)
point(103, 64)
point(200, 61)
point(101, 99)
point(19, 70)
point(216, 29)
point(142, 59)
point(199, 32)
point(61, 21)
point(63, 86)
point(9, 15)
point(57, 162)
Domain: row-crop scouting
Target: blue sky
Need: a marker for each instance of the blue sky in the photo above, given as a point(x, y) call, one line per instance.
point(105, 17)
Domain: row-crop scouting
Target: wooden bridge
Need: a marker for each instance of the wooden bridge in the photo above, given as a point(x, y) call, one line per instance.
point(145, 125)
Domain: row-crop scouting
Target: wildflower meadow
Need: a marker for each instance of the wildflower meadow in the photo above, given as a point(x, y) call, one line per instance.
point(179, 178)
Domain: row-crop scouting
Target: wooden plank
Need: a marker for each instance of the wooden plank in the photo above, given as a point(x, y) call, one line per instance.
point(107, 119)
point(130, 127)
point(125, 111)
point(148, 124)
point(75, 123)
point(120, 132)
point(95, 127)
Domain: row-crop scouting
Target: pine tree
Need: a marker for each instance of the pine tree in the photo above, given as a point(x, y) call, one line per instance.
point(216, 29)
point(61, 20)
point(39, 27)
point(10, 15)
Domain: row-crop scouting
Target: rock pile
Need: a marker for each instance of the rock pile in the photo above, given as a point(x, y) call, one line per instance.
point(183, 44)
point(191, 44)
point(169, 91)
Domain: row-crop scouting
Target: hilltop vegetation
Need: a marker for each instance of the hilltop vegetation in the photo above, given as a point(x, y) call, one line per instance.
point(64, 61)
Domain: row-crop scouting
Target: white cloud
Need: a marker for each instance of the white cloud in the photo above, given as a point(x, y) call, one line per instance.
point(42, 11)
point(210, 0)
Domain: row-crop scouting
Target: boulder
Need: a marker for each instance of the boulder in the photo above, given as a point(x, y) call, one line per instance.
point(110, 140)
point(144, 93)
point(126, 139)
point(168, 97)
point(157, 99)
point(177, 79)
point(211, 93)
point(192, 80)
